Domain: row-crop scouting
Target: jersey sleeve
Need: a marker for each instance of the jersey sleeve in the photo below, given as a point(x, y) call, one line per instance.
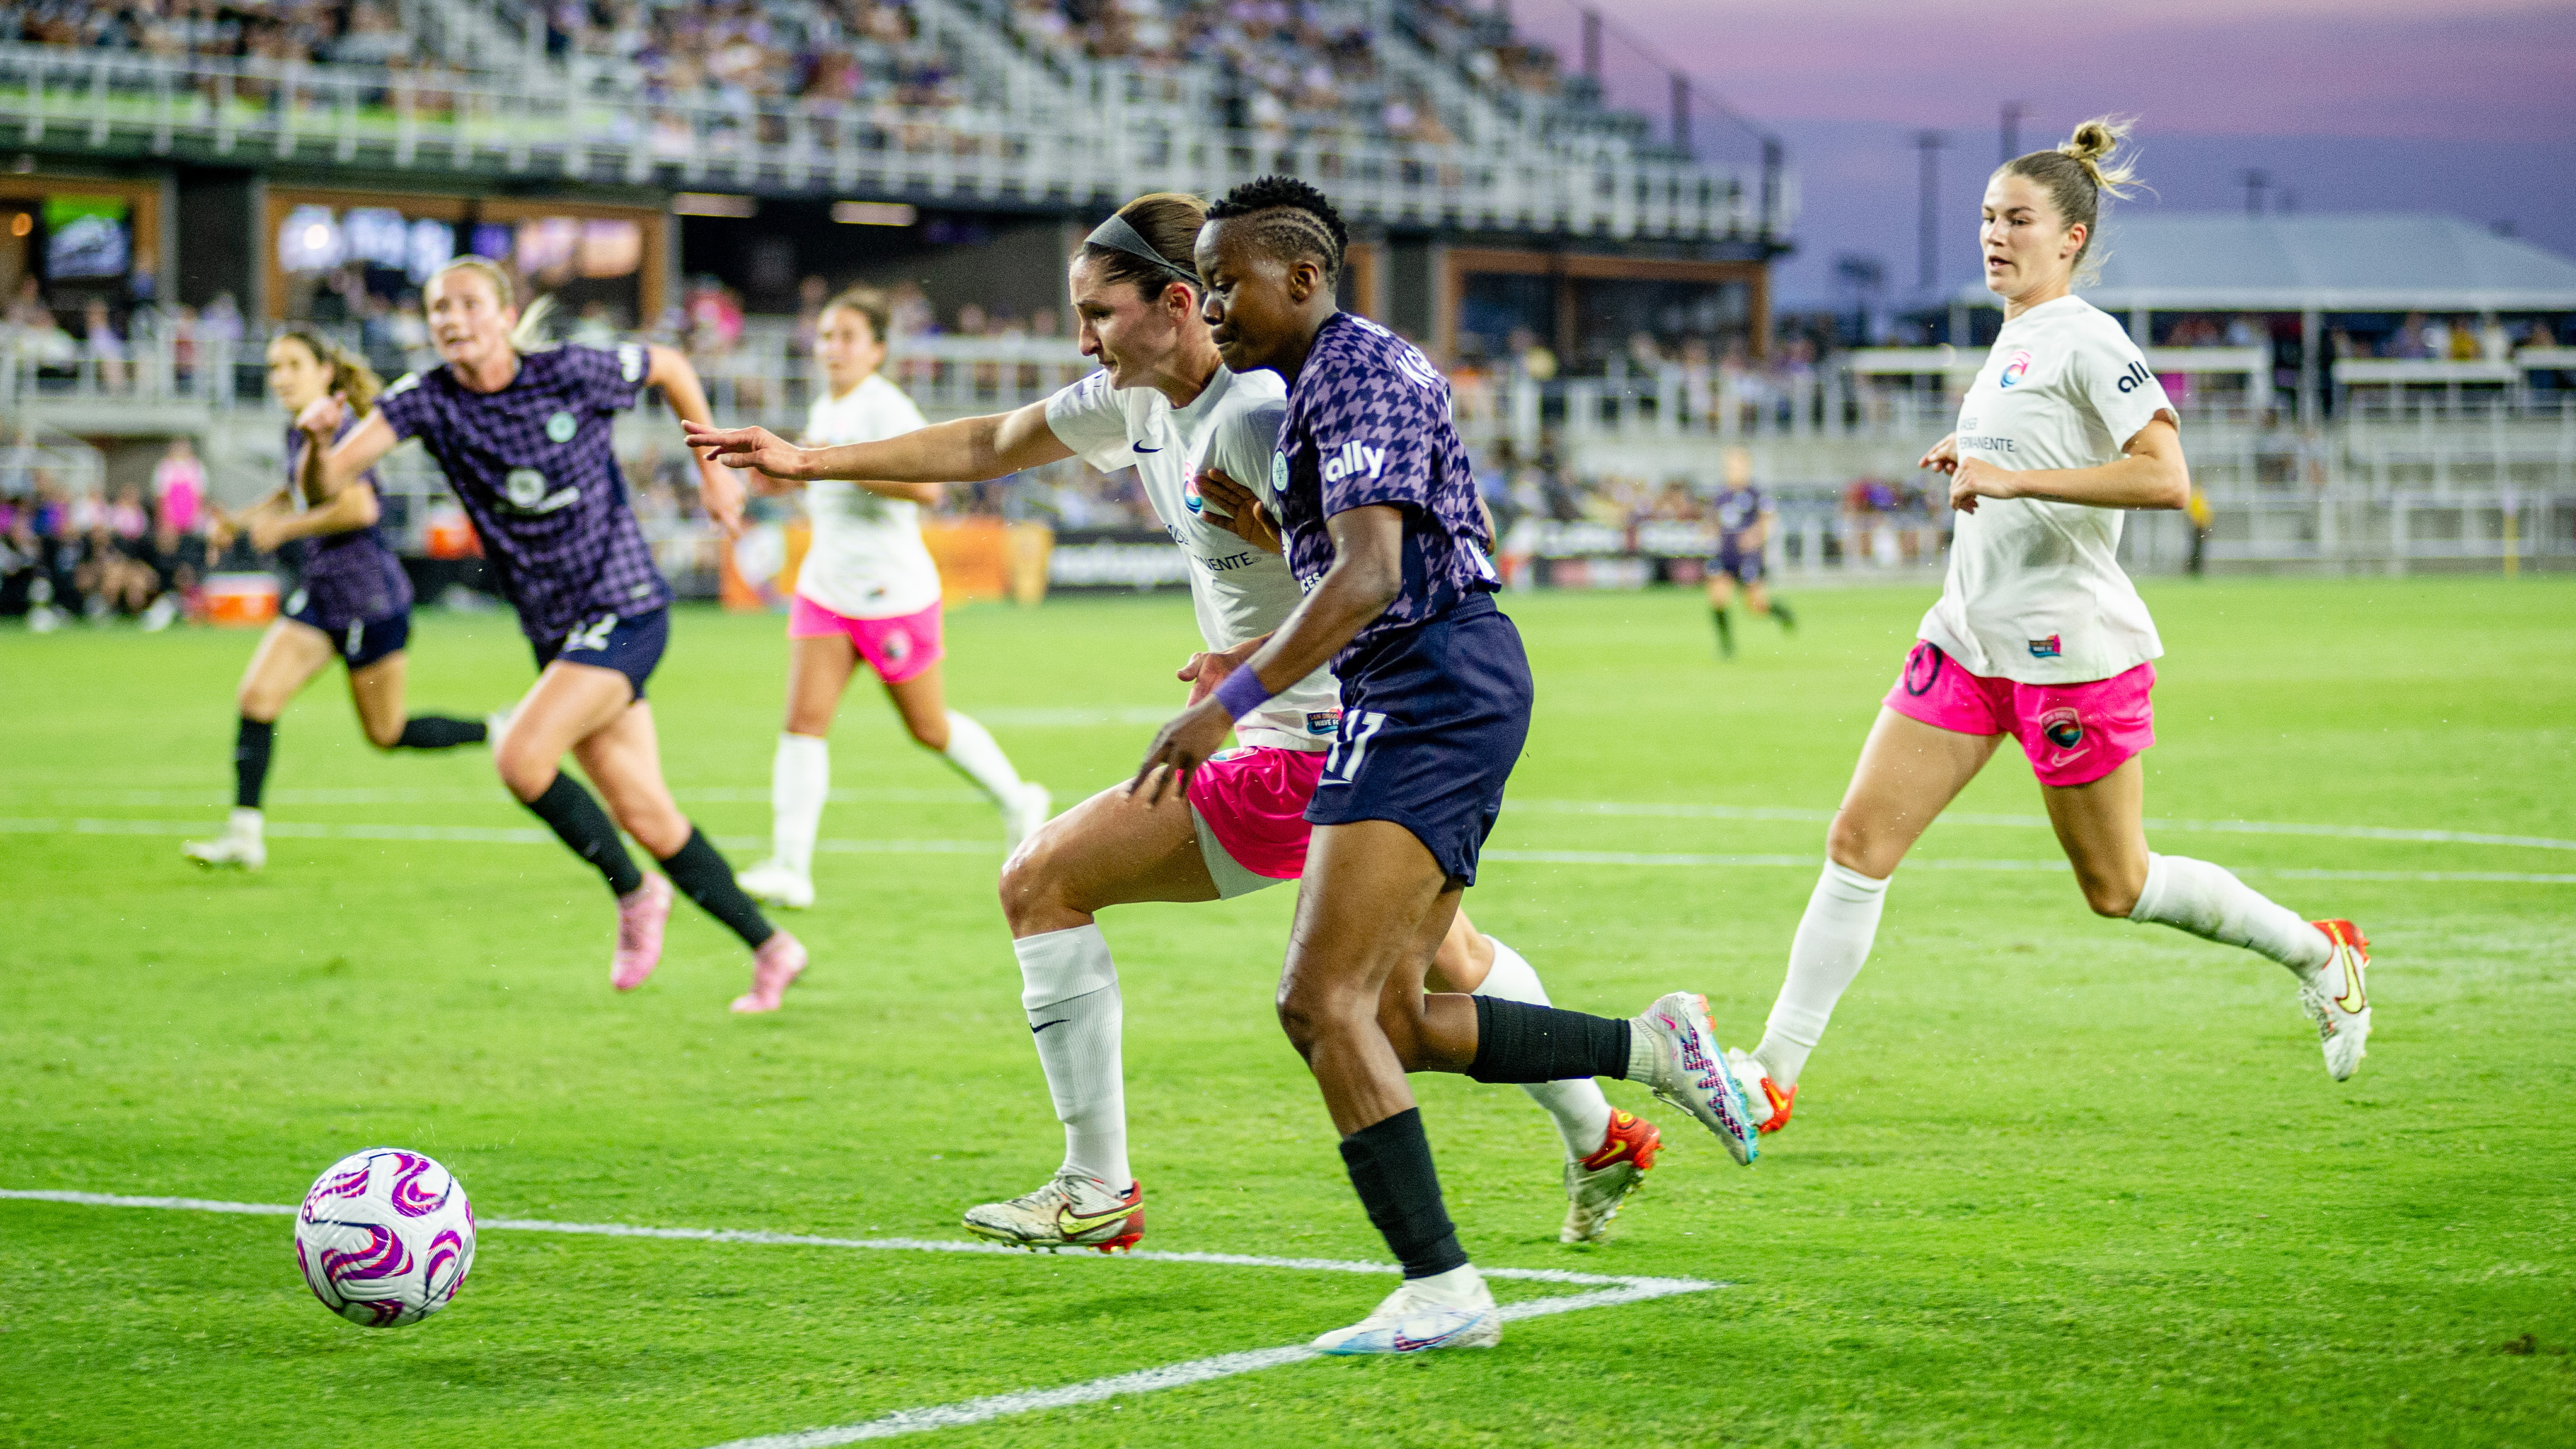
point(1373, 438)
point(402, 405)
point(2109, 375)
point(612, 377)
point(1088, 418)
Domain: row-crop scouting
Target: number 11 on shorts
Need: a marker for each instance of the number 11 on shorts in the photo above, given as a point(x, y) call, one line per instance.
point(1350, 746)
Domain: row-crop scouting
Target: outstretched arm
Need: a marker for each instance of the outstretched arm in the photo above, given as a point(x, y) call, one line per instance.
point(968, 450)
point(1367, 573)
point(718, 489)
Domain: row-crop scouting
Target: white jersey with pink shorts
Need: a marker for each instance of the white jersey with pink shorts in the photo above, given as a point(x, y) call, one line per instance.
point(867, 560)
point(1240, 592)
point(2035, 591)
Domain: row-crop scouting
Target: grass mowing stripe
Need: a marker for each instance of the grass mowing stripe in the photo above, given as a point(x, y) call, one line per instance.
point(500, 835)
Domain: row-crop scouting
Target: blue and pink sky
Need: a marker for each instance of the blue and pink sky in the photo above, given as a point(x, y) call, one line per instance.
point(2466, 107)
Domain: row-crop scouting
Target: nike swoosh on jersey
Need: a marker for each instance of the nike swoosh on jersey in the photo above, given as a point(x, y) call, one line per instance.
point(1041, 1026)
point(1141, 448)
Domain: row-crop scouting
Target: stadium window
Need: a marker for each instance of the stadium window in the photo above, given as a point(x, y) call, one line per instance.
point(712, 203)
point(874, 213)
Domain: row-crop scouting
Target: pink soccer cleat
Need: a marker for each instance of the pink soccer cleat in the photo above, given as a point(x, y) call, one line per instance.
point(641, 914)
point(779, 961)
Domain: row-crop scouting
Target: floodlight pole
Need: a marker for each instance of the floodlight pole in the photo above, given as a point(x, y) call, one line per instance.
point(1928, 238)
point(2013, 113)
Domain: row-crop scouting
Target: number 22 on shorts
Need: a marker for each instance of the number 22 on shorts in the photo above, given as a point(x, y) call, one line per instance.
point(1350, 746)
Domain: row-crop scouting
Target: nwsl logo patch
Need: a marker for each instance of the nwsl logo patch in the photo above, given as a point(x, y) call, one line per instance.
point(2016, 368)
point(2048, 648)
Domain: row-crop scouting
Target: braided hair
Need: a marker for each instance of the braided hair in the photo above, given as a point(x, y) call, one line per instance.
point(1291, 220)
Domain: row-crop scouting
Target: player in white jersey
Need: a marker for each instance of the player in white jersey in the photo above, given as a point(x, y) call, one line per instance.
point(867, 590)
point(2039, 634)
point(1164, 404)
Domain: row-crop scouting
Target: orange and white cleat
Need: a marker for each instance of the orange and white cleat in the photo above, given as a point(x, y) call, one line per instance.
point(1071, 1211)
point(2336, 997)
point(1597, 1186)
point(1760, 1092)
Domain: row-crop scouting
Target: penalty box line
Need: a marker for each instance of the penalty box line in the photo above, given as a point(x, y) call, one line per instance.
point(1608, 1290)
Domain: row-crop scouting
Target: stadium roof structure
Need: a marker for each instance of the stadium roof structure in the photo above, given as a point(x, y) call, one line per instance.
point(2324, 262)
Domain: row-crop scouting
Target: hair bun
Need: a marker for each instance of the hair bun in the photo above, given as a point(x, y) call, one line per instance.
point(2091, 146)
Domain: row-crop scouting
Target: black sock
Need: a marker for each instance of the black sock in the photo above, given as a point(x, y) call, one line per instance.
point(1390, 1165)
point(1780, 611)
point(1725, 631)
point(580, 824)
point(250, 761)
point(702, 876)
point(1519, 1042)
point(439, 732)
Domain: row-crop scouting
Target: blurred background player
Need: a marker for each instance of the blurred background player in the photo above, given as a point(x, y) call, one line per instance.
point(2039, 634)
point(1385, 534)
point(353, 599)
point(1744, 518)
point(1165, 404)
point(866, 590)
point(523, 436)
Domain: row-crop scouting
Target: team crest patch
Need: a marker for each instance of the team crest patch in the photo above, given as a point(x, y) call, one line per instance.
point(2016, 368)
point(2048, 648)
point(525, 487)
point(898, 647)
point(2064, 728)
point(561, 427)
point(1279, 473)
point(1190, 493)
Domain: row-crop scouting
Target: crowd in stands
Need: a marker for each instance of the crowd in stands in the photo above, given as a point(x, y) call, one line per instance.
point(823, 56)
point(67, 552)
point(356, 32)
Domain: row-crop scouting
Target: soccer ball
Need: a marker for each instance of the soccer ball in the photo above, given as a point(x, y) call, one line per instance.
point(385, 1237)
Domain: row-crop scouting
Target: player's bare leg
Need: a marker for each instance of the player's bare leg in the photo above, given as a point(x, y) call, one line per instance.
point(2101, 825)
point(1112, 849)
point(970, 750)
point(288, 657)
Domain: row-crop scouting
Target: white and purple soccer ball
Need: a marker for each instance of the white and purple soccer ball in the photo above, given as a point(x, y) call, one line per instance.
point(385, 1237)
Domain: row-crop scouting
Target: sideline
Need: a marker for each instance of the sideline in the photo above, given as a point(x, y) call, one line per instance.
point(1610, 1290)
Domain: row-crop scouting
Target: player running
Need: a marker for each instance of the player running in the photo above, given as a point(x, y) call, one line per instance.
point(523, 436)
point(1164, 404)
point(353, 601)
point(1744, 522)
point(2040, 635)
point(1385, 536)
point(866, 590)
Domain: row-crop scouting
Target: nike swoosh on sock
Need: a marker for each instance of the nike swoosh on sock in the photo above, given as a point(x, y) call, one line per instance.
point(1041, 1026)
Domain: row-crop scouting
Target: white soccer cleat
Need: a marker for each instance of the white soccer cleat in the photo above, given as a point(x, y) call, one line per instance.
point(773, 882)
point(1411, 1321)
point(240, 845)
point(1070, 1211)
point(1023, 815)
point(495, 725)
point(163, 612)
point(1596, 1187)
point(1690, 1071)
point(2336, 997)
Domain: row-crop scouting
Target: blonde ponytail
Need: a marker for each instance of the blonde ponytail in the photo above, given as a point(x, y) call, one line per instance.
point(2078, 175)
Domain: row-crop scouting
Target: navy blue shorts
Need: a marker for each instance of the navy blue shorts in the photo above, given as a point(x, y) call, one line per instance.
point(361, 642)
point(1433, 719)
point(631, 644)
point(1744, 565)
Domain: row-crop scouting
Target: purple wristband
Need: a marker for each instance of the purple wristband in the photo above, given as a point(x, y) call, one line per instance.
point(1242, 693)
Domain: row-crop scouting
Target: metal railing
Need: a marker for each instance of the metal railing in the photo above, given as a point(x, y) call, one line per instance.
point(112, 103)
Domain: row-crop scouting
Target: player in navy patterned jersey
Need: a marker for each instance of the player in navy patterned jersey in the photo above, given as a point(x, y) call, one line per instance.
point(1383, 529)
point(1743, 516)
point(352, 602)
point(523, 436)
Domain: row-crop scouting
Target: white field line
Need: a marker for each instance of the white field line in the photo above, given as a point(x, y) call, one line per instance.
point(523, 835)
point(1961, 817)
point(1609, 1291)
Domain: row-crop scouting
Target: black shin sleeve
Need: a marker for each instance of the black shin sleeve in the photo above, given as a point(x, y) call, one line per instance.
point(250, 761)
point(439, 732)
point(1390, 1165)
point(702, 876)
point(586, 829)
point(1519, 1042)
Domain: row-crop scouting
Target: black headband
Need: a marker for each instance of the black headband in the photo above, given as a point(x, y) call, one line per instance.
point(1118, 236)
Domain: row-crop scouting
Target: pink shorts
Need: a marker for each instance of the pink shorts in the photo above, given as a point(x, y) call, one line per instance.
point(898, 648)
point(2074, 733)
point(1250, 803)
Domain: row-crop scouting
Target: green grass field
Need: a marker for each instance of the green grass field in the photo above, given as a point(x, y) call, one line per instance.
point(2053, 1179)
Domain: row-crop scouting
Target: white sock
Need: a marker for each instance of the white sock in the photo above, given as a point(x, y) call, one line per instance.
point(800, 779)
point(2195, 896)
point(246, 822)
point(1458, 1288)
point(1070, 990)
point(1833, 940)
point(1582, 1114)
point(972, 750)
